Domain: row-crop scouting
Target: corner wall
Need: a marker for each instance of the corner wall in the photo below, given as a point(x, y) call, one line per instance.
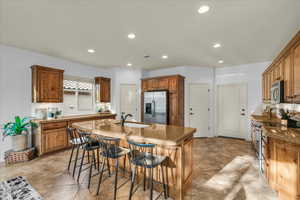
point(15, 82)
point(203, 75)
point(250, 74)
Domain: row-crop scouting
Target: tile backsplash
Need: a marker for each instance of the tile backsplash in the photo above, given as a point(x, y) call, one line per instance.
point(290, 107)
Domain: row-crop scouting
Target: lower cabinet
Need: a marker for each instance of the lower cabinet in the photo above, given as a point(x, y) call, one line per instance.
point(283, 172)
point(52, 136)
point(54, 139)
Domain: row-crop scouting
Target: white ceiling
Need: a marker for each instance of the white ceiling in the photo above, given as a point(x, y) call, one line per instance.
point(249, 30)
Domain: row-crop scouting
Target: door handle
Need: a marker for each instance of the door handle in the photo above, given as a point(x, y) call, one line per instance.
point(191, 113)
point(243, 114)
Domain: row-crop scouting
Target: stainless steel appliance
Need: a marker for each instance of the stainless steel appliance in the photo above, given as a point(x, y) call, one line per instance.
point(156, 107)
point(277, 92)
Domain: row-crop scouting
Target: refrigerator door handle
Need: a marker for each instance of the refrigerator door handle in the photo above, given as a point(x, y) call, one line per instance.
point(153, 108)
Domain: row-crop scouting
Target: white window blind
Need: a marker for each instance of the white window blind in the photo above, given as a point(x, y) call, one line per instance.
point(78, 96)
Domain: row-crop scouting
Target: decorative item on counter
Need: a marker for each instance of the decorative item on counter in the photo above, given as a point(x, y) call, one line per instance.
point(18, 129)
point(53, 113)
point(286, 119)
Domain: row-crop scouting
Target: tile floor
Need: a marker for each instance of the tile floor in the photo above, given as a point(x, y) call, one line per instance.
point(224, 169)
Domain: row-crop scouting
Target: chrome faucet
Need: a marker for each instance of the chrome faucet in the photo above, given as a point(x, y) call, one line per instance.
point(123, 118)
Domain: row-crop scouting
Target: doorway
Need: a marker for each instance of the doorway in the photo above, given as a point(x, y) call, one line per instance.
point(232, 110)
point(128, 100)
point(199, 109)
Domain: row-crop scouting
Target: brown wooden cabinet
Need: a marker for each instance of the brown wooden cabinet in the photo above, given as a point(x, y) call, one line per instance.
point(286, 67)
point(296, 72)
point(175, 86)
point(52, 136)
point(47, 84)
point(102, 89)
point(282, 171)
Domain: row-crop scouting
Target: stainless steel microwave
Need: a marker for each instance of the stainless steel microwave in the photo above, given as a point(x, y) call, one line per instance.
point(277, 92)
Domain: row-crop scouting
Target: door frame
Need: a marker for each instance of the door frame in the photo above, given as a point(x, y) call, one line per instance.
point(217, 108)
point(137, 99)
point(209, 117)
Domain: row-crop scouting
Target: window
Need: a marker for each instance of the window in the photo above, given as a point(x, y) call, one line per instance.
point(78, 96)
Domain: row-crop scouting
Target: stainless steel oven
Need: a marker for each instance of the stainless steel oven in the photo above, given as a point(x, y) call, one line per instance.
point(277, 92)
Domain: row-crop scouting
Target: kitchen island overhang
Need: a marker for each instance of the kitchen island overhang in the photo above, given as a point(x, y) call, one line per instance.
point(174, 142)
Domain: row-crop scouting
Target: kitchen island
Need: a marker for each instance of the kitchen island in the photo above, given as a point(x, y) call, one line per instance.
point(172, 141)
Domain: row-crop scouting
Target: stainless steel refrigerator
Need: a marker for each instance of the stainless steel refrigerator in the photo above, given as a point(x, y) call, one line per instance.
point(156, 107)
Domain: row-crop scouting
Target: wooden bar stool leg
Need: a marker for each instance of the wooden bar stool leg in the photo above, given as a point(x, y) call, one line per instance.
point(71, 156)
point(80, 168)
point(116, 179)
point(108, 166)
point(90, 173)
point(98, 159)
point(100, 177)
point(132, 182)
point(163, 180)
point(151, 189)
point(144, 181)
point(76, 158)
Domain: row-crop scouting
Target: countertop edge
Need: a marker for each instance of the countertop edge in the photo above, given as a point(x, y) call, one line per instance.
point(70, 118)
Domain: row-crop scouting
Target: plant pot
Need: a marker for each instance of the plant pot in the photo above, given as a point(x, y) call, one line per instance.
point(19, 142)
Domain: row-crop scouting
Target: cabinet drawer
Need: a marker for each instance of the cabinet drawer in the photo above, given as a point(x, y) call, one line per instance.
point(54, 125)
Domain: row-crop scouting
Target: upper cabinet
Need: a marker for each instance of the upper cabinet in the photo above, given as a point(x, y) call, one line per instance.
point(47, 84)
point(102, 89)
point(296, 72)
point(175, 87)
point(286, 67)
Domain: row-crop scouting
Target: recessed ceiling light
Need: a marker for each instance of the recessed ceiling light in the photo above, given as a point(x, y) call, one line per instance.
point(217, 45)
point(164, 57)
point(203, 9)
point(129, 64)
point(131, 36)
point(221, 61)
point(91, 50)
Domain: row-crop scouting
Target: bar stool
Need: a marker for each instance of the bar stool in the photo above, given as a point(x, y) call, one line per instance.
point(76, 141)
point(141, 155)
point(110, 149)
point(90, 145)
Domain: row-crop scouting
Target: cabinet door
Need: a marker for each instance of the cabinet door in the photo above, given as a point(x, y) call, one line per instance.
point(268, 85)
point(50, 85)
point(173, 108)
point(263, 87)
point(287, 175)
point(145, 84)
point(54, 139)
point(288, 79)
point(296, 73)
point(102, 87)
point(173, 84)
point(105, 90)
point(163, 84)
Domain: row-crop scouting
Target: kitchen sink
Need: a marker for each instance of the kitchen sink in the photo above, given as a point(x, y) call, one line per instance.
point(135, 125)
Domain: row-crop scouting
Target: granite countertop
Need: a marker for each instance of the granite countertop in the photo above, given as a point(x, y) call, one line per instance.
point(277, 131)
point(72, 117)
point(265, 119)
point(156, 133)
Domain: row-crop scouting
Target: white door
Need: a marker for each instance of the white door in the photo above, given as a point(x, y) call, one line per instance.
point(128, 100)
point(232, 110)
point(199, 109)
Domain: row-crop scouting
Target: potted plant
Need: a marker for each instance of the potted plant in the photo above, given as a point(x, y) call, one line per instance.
point(18, 130)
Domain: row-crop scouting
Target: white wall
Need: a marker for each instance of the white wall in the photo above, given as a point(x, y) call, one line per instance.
point(192, 75)
point(250, 74)
point(15, 82)
point(125, 75)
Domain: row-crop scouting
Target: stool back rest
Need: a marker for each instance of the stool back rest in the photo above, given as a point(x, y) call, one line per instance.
point(84, 137)
point(140, 151)
point(109, 145)
point(72, 133)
